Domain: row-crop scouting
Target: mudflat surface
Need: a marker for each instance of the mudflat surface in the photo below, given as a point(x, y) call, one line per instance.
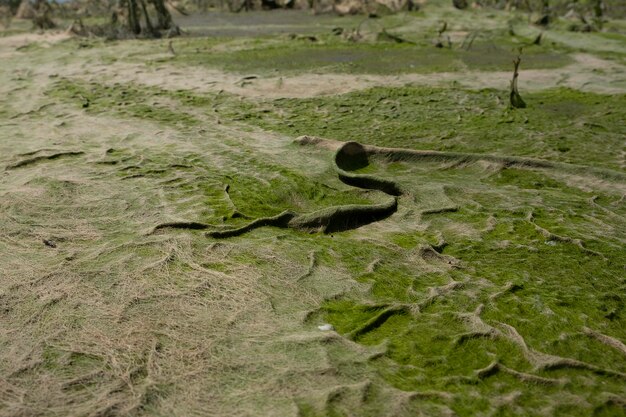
point(259, 23)
point(188, 233)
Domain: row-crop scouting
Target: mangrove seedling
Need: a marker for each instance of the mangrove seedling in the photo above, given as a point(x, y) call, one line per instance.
point(516, 100)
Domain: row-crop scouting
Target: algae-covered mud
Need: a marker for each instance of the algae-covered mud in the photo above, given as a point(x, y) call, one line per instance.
point(269, 217)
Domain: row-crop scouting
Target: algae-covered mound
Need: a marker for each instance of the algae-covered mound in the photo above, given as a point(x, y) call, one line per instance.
point(472, 294)
point(349, 156)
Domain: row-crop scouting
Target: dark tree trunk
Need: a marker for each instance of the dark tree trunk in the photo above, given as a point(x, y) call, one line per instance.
point(133, 17)
point(516, 100)
point(42, 19)
point(598, 7)
point(164, 17)
point(147, 17)
point(138, 10)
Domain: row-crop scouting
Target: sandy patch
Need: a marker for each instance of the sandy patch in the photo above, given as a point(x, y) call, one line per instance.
point(587, 73)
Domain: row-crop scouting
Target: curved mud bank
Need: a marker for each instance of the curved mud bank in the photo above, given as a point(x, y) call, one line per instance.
point(350, 156)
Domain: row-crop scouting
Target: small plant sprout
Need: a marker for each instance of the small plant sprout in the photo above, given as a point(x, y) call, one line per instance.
point(516, 100)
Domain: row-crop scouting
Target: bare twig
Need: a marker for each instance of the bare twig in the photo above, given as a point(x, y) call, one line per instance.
point(516, 100)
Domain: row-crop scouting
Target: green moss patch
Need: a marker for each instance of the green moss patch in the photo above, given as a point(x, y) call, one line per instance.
point(363, 58)
point(559, 124)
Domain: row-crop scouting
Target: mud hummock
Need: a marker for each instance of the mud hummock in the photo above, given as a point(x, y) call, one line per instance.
point(350, 156)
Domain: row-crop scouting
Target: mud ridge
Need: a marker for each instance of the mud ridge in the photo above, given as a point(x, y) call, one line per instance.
point(378, 320)
point(350, 156)
point(281, 220)
point(496, 367)
point(181, 225)
point(361, 153)
point(34, 160)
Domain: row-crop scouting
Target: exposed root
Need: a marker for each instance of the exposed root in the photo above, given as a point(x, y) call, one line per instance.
point(370, 183)
point(453, 209)
point(607, 340)
point(281, 220)
point(34, 160)
point(378, 320)
point(180, 225)
point(488, 371)
point(341, 218)
point(235, 213)
point(563, 239)
point(328, 220)
point(30, 153)
point(496, 367)
point(408, 155)
point(544, 361)
point(611, 213)
point(515, 99)
point(539, 360)
point(351, 156)
point(372, 266)
point(532, 379)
